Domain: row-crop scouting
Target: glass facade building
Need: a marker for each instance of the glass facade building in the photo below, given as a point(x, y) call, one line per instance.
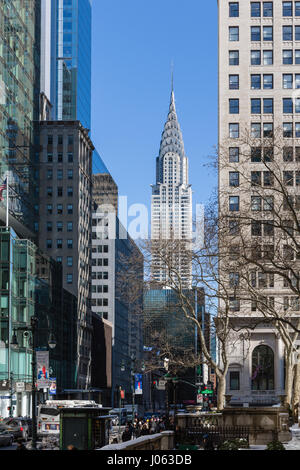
point(71, 60)
point(19, 106)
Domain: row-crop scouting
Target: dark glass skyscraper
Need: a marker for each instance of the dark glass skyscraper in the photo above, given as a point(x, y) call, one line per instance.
point(71, 60)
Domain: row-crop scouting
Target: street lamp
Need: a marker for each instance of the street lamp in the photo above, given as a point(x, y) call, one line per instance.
point(14, 344)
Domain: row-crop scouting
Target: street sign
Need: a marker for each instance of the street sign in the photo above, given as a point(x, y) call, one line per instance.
point(20, 387)
point(207, 392)
point(161, 384)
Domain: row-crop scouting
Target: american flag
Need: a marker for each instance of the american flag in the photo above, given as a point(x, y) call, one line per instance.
point(3, 187)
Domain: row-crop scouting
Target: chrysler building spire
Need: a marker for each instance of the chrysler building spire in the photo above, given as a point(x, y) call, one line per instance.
point(171, 207)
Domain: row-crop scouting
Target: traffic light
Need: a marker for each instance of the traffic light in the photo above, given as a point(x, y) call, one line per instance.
point(154, 384)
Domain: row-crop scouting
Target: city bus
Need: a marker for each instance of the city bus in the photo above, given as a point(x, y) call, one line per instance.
point(48, 417)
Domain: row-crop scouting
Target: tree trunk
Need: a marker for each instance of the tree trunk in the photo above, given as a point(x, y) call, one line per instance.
point(296, 393)
point(221, 392)
point(289, 379)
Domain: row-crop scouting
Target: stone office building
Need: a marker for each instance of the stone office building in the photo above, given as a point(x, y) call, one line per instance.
point(65, 219)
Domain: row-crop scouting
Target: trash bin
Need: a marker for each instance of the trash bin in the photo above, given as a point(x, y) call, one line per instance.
point(83, 428)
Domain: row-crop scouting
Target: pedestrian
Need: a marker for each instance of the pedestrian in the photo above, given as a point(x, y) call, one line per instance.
point(126, 436)
point(208, 442)
point(20, 445)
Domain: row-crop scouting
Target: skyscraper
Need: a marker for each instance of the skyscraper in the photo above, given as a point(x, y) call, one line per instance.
point(71, 60)
point(258, 57)
point(171, 205)
point(19, 107)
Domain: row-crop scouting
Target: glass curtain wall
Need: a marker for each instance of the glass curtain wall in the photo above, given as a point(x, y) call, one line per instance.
point(19, 91)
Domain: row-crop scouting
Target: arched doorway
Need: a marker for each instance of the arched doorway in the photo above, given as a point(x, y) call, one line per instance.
point(262, 377)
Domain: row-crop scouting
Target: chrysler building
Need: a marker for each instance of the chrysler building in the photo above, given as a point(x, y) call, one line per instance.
point(171, 205)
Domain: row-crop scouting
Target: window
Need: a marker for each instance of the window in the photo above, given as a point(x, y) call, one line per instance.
point(70, 139)
point(287, 105)
point(49, 208)
point(70, 226)
point(297, 129)
point(288, 129)
point(233, 227)
point(268, 9)
point(49, 191)
point(50, 157)
point(297, 105)
point(59, 226)
point(70, 243)
point(268, 105)
point(255, 57)
point(233, 82)
point(297, 8)
point(255, 106)
point(287, 33)
point(60, 157)
point(49, 244)
point(287, 80)
point(59, 191)
point(70, 209)
point(234, 131)
point(70, 174)
point(49, 226)
point(234, 203)
point(69, 261)
point(268, 154)
point(234, 304)
point(268, 33)
point(234, 106)
point(69, 278)
point(287, 57)
point(255, 9)
point(234, 380)
point(255, 154)
point(233, 33)
point(268, 82)
point(60, 139)
point(233, 57)
point(256, 228)
point(255, 33)
point(59, 259)
point(233, 154)
point(255, 82)
point(297, 33)
point(268, 129)
point(49, 174)
point(288, 178)
point(59, 208)
point(59, 174)
point(262, 368)
point(288, 154)
point(50, 139)
point(255, 203)
point(255, 178)
point(59, 243)
point(70, 191)
point(70, 157)
point(268, 57)
point(233, 9)
point(255, 130)
point(297, 81)
point(268, 178)
point(234, 178)
point(287, 8)
point(234, 280)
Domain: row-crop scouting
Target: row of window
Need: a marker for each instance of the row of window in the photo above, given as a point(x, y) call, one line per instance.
point(60, 158)
point(59, 243)
point(99, 302)
point(59, 226)
point(60, 139)
point(59, 191)
point(266, 105)
point(290, 130)
point(69, 260)
point(100, 289)
point(59, 209)
point(265, 81)
point(100, 262)
point(289, 203)
point(266, 57)
point(289, 303)
point(265, 33)
point(100, 276)
point(265, 9)
point(59, 174)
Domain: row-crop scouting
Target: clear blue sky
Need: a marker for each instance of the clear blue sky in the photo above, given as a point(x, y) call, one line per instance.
point(134, 43)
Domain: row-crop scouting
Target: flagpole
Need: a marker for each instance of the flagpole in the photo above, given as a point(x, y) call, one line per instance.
point(7, 213)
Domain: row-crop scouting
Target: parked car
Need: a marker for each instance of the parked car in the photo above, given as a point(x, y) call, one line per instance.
point(6, 438)
point(18, 427)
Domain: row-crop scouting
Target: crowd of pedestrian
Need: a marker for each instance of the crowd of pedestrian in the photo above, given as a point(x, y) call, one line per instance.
point(144, 427)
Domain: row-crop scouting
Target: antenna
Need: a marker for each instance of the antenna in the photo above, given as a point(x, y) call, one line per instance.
point(172, 75)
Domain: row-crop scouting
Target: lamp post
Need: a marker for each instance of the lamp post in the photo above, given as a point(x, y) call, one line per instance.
point(133, 372)
point(14, 344)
